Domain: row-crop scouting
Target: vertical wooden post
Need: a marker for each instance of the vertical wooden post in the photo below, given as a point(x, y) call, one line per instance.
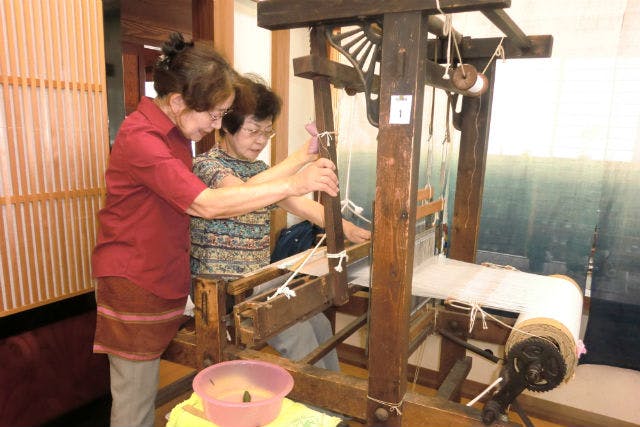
point(332, 214)
point(402, 72)
point(472, 162)
point(280, 59)
point(211, 332)
point(202, 20)
point(202, 30)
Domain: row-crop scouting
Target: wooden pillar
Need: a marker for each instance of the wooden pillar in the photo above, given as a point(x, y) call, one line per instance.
point(474, 140)
point(212, 23)
point(332, 214)
point(211, 337)
point(202, 20)
point(401, 97)
point(202, 30)
point(280, 59)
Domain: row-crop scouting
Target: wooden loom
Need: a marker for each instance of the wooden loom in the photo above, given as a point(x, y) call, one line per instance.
point(399, 31)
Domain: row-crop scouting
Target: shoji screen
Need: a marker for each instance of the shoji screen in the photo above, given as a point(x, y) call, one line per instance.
point(53, 147)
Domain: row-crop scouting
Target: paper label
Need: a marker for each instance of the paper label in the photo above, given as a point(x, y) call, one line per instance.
point(400, 113)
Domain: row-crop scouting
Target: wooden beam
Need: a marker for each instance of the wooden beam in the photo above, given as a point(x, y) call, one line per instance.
point(402, 71)
point(339, 337)
point(344, 76)
point(211, 335)
point(450, 388)
point(436, 27)
point(340, 75)
point(202, 21)
point(421, 325)
point(474, 139)
point(257, 320)
point(501, 20)
point(279, 14)
point(327, 148)
point(483, 48)
point(175, 389)
point(346, 394)
point(429, 208)
point(534, 406)
point(142, 24)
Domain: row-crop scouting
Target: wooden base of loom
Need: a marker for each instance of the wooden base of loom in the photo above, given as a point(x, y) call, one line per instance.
point(257, 319)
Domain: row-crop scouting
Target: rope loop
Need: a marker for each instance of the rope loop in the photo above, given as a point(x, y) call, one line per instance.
point(328, 136)
point(473, 308)
point(393, 407)
point(284, 288)
point(340, 255)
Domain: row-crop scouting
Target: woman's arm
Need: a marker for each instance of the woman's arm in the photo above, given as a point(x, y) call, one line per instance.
point(313, 211)
point(240, 198)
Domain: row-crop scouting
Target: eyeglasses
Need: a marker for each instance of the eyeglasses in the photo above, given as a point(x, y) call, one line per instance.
point(268, 134)
point(219, 114)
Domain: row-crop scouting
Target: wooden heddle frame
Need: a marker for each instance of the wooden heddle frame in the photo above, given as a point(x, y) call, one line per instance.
point(394, 330)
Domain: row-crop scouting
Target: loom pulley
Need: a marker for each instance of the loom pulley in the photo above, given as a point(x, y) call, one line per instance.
point(535, 364)
point(540, 363)
point(466, 78)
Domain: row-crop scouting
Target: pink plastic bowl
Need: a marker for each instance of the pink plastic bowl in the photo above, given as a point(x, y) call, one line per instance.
point(221, 388)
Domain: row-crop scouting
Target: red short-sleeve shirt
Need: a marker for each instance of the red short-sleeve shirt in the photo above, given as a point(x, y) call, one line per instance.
point(144, 230)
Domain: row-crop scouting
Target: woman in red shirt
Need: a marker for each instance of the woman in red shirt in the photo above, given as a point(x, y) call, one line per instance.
point(141, 259)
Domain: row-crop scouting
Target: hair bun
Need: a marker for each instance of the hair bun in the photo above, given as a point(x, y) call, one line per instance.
point(171, 48)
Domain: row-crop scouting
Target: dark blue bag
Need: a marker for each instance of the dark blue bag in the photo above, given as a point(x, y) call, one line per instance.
point(295, 239)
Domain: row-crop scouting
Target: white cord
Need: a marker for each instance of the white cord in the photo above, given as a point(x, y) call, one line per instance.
point(478, 397)
point(284, 288)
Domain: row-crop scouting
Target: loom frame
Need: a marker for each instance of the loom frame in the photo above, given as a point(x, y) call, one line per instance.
point(393, 333)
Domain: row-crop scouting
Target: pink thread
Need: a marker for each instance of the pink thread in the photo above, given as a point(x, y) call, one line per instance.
point(313, 131)
point(580, 348)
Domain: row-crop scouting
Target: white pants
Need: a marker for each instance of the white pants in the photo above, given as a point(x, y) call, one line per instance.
point(134, 385)
point(302, 338)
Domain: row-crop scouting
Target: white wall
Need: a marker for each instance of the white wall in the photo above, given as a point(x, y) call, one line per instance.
point(251, 49)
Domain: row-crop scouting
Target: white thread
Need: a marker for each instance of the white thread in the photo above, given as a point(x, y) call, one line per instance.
point(284, 288)
point(499, 51)
point(446, 30)
point(478, 397)
point(347, 204)
point(354, 209)
point(341, 255)
point(475, 308)
point(327, 135)
point(394, 407)
point(477, 86)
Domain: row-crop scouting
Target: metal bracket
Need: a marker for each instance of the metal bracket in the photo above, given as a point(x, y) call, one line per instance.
point(362, 46)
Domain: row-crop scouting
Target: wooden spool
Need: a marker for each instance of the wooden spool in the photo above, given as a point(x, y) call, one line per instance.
point(470, 81)
point(464, 76)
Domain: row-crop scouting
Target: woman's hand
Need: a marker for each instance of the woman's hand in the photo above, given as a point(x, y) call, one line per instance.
point(355, 234)
point(317, 176)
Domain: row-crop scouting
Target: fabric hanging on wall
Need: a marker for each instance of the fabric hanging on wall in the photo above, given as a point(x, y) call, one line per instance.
point(563, 157)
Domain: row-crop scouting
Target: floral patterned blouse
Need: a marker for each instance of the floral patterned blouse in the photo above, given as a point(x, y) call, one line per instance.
point(234, 246)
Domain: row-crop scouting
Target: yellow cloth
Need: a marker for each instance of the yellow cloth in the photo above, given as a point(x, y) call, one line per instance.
point(292, 414)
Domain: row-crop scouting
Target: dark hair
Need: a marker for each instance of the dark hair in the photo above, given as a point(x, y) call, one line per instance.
point(200, 74)
point(267, 105)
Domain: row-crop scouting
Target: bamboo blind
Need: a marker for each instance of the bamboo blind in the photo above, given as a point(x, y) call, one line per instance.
point(53, 147)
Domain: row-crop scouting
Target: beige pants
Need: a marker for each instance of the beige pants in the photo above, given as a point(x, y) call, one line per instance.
point(133, 389)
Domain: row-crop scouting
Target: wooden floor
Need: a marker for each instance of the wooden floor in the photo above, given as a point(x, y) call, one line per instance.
point(170, 372)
